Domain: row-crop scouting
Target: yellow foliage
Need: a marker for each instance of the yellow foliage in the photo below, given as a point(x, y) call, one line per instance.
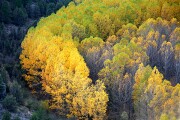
point(91, 101)
point(52, 61)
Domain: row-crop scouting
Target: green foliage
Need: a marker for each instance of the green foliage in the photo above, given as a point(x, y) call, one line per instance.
point(5, 12)
point(16, 118)
point(2, 88)
point(31, 104)
point(155, 42)
point(9, 103)
point(138, 95)
point(53, 63)
point(42, 7)
point(6, 116)
point(19, 16)
point(154, 98)
point(94, 52)
point(58, 5)
point(40, 114)
point(124, 116)
point(66, 2)
point(50, 8)
point(18, 3)
point(16, 91)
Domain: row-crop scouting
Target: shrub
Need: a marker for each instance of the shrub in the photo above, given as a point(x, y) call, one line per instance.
point(16, 91)
point(6, 116)
point(19, 16)
point(9, 103)
point(2, 88)
point(40, 114)
point(16, 118)
point(124, 116)
point(31, 104)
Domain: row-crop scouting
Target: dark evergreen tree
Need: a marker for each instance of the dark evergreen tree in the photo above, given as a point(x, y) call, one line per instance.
point(58, 5)
point(33, 10)
point(19, 16)
point(18, 3)
point(6, 116)
point(42, 7)
point(50, 8)
point(2, 88)
point(16, 91)
point(66, 2)
point(5, 12)
point(9, 103)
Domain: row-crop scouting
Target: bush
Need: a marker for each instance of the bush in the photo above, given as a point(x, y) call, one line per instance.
point(6, 116)
point(31, 104)
point(19, 16)
point(45, 104)
point(5, 12)
point(124, 116)
point(50, 8)
point(40, 114)
point(26, 93)
point(16, 118)
point(9, 103)
point(2, 88)
point(16, 91)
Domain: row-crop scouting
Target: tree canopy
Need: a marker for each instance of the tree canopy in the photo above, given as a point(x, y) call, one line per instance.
point(90, 58)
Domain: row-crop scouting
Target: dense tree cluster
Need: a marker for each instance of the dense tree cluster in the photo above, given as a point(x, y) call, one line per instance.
point(93, 51)
point(154, 97)
point(17, 11)
point(16, 16)
point(63, 74)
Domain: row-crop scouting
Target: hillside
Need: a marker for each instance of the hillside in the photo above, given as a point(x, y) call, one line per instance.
point(95, 59)
point(16, 17)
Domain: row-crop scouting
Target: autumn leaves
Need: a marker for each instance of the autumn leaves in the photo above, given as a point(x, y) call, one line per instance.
point(58, 66)
point(154, 97)
point(86, 55)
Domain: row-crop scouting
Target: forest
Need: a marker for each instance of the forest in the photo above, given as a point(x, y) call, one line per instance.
point(90, 59)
